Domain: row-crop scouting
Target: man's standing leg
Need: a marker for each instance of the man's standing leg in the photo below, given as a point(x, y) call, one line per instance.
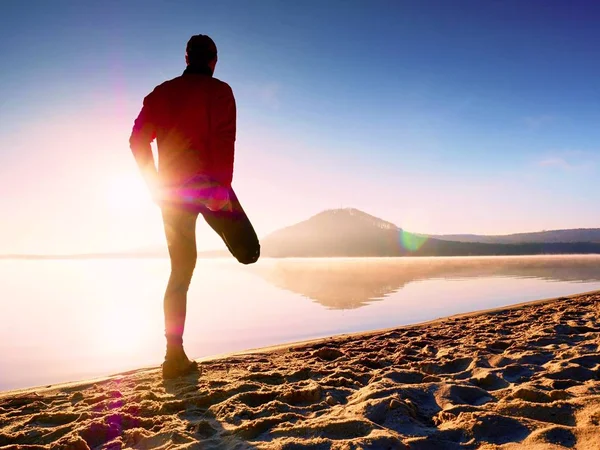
point(180, 231)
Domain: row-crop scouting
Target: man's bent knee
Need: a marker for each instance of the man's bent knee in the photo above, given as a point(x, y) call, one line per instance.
point(248, 256)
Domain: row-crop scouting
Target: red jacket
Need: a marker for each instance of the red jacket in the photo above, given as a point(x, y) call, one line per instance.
point(193, 118)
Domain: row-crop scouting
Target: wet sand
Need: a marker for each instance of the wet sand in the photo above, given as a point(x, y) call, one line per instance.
point(524, 377)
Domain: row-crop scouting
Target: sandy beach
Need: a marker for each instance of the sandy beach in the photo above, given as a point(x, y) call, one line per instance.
point(525, 377)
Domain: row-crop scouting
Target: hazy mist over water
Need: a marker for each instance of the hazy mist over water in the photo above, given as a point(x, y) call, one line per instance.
point(68, 320)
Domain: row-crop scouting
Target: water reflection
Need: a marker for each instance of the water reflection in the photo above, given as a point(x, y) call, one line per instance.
point(353, 283)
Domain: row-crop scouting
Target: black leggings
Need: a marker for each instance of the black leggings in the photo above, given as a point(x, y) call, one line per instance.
point(235, 229)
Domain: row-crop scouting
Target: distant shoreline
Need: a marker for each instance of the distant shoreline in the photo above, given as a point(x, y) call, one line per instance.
point(84, 256)
point(220, 255)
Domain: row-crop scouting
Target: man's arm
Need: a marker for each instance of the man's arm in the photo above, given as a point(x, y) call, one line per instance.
point(223, 124)
point(142, 135)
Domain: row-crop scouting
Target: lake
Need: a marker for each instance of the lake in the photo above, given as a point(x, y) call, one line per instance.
point(66, 320)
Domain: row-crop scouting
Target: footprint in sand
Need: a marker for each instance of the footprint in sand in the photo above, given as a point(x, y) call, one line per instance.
point(560, 413)
point(328, 354)
point(271, 378)
point(530, 395)
point(302, 395)
point(588, 361)
point(488, 380)
point(554, 435)
point(404, 376)
point(52, 419)
point(561, 385)
point(335, 430)
point(447, 367)
point(453, 394)
point(533, 357)
point(254, 399)
point(500, 361)
point(514, 373)
point(202, 429)
point(498, 346)
point(572, 372)
point(494, 428)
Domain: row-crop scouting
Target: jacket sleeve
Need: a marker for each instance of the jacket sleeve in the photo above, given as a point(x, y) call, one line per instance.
point(142, 135)
point(223, 131)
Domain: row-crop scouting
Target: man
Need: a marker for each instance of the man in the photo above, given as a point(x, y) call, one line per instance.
point(193, 118)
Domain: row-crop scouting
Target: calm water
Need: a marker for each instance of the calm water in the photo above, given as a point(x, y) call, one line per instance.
point(67, 320)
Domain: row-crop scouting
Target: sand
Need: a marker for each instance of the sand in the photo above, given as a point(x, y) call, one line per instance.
point(519, 378)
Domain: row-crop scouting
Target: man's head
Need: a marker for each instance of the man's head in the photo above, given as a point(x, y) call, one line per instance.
point(201, 51)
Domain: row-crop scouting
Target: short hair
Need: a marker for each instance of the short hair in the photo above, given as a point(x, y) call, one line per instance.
point(201, 49)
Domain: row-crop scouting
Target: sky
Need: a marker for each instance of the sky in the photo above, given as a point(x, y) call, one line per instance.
point(439, 116)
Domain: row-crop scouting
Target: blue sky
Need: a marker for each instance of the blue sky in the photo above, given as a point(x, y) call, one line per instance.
point(441, 116)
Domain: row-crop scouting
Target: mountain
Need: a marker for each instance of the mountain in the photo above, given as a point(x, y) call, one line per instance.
point(554, 236)
point(337, 232)
point(353, 233)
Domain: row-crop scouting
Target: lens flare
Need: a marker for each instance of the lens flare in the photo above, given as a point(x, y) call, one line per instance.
point(411, 242)
point(199, 192)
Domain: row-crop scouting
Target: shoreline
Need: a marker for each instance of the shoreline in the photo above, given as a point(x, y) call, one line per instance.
point(226, 256)
point(307, 342)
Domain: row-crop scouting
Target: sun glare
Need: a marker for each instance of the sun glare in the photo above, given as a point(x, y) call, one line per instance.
point(126, 193)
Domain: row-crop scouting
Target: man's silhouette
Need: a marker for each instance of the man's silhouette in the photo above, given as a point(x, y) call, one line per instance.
point(193, 118)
